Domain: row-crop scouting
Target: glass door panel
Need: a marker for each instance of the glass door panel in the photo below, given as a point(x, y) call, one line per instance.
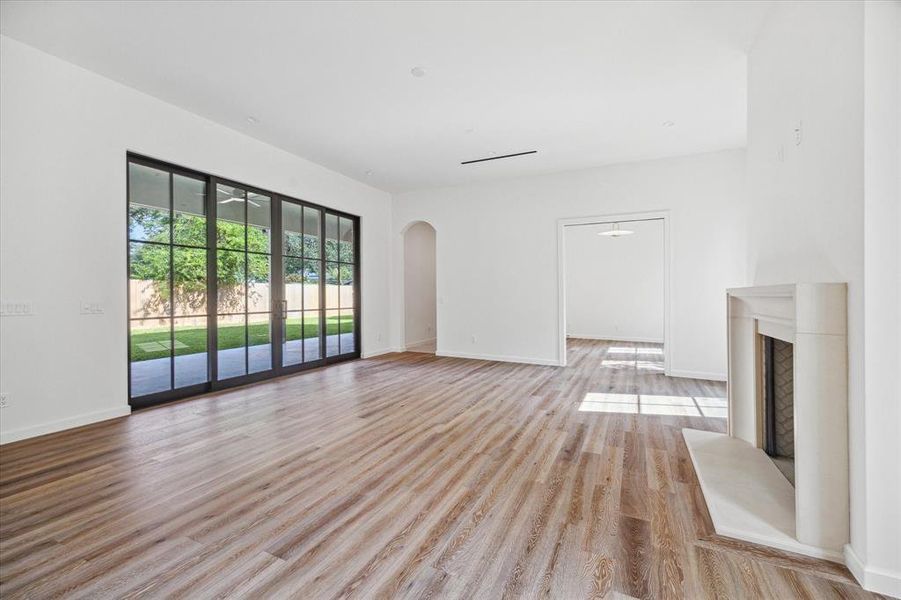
point(190, 348)
point(231, 346)
point(167, 288)
point(340, 292)
point(150, 356)
point(244, 282)
point(312, 335)
point(259, 342)
point(301, 286)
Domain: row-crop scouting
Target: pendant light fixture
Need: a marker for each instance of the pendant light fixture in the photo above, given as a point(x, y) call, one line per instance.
point(615, 231)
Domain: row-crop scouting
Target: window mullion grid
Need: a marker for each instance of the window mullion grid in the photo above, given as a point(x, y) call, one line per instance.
point(171, 284)
point(211, 250)
point(212, 285)
point(303, 285)
point(246, 294)
point(323, 321)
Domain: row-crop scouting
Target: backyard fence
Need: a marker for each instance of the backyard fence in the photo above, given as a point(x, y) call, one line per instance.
point(146, 302)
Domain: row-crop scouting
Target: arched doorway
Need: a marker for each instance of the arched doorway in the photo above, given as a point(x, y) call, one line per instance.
point(420, 297)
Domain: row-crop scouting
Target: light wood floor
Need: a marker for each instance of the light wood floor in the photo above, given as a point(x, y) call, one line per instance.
point(399, 476)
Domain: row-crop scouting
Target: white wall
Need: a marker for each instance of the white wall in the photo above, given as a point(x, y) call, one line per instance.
point(882, 296)
point(497, 253)
point(806, 218)
point(420, 310)
point(614, 285)
point(64, 132)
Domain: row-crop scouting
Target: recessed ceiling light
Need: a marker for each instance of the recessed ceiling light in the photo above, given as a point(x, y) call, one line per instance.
point(668, 123)
point(417, 72)
point(469, 129)
point(369, 173)
point(252, 120)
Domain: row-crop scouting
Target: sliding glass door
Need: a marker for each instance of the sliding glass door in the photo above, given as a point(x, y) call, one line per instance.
point(318, 291)
point(167, 286)
point(230, 284)
point(340, 299)
point(301, 283)
point(243, 281)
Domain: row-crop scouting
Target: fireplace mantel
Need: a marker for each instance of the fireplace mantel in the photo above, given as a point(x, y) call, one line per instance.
point(747, 496)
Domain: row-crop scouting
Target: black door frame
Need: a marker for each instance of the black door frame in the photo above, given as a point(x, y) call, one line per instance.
point(276, 283)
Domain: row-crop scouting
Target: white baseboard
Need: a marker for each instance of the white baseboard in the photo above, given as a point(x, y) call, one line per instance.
point(379, 352)
point(613, 338)
point(502, 358)
point(419, 343)
point(870, 579)
point(53, 426)
point(697, 375)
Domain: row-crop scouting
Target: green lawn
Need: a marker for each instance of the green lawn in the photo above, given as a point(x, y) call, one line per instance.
point(154, 343)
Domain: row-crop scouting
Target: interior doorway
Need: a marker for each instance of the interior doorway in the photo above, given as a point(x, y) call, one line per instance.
point(420, 294)
point(614, 283)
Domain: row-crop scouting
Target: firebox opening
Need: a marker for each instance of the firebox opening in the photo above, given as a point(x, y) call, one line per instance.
point(778, 405)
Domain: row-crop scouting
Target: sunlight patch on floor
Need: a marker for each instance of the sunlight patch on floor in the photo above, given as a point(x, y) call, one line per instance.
point(643, 359)
point(634, 351)
point(651, 404)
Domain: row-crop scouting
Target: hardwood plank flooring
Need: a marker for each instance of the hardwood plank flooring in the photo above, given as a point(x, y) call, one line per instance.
point(401, 476)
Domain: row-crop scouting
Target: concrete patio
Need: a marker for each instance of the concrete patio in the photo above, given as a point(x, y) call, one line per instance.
point(151, 376)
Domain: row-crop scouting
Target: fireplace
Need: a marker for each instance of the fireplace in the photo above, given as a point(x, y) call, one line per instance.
point(777, 422)
point(780, 475)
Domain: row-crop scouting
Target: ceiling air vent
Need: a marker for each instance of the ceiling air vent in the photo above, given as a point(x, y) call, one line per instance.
point(478, 160)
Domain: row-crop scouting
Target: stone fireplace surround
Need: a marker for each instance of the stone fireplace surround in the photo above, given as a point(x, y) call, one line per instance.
point(747, 496)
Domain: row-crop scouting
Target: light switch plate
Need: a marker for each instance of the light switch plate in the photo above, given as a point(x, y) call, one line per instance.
point(91, 308)
point(16, 309)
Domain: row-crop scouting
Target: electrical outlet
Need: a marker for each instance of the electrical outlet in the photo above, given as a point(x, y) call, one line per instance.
point(474, 339)
point(379, 337)
point(4, 400)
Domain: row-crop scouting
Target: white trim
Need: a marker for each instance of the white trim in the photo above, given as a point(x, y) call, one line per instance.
point(501, 358)
point(401, 311)
point(854, 564)
point(419, 343)
point(666, 217)
point(871, 579)
point(53, 426)
point(697, 375)
point(613, 338)
point(380, 351)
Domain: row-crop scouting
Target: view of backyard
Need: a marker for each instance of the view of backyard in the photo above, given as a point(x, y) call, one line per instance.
point(172, 304)
point(148, 344)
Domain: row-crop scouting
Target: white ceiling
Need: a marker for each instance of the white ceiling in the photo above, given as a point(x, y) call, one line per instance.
point(585, 84)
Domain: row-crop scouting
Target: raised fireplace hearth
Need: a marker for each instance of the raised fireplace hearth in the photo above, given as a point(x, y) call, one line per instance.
point(780, 475)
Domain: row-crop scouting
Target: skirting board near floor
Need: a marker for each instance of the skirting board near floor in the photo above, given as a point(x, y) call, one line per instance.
point(697, 375)
point(420, 342)
point(379, 352)
point(613, 338)
point(53, 426)
point(747, 496)
point(501, 358)
point(874, 580)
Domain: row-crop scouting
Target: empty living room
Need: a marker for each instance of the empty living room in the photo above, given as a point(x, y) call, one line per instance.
point(450, 299)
